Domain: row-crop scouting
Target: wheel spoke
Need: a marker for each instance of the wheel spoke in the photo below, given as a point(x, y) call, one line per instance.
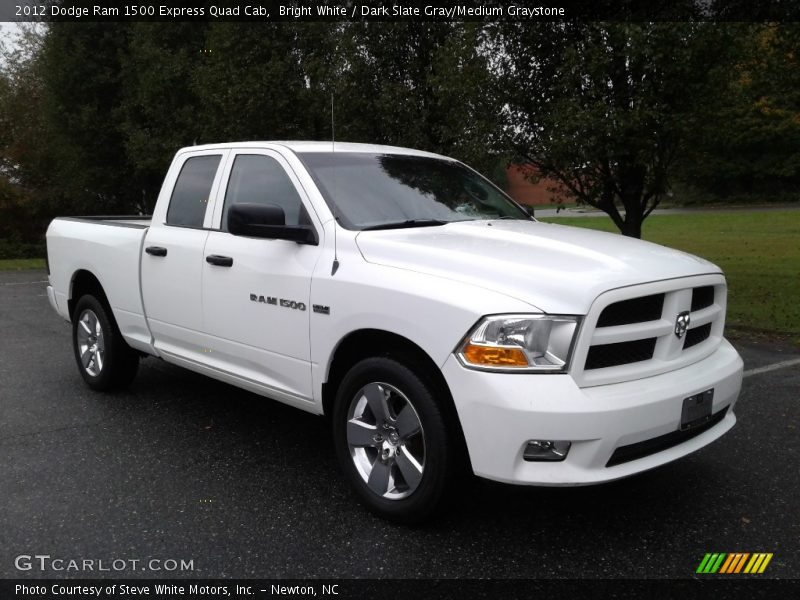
point(98, 331)
point(407, 422)
point(98, 360)
point(379, 477)
point(376, 398)
point(85, 325)
point(86, 357)
point(361, 434)
point(409, 467)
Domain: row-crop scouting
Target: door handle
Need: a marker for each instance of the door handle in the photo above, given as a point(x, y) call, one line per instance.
point(220, 261)
point(156, 251)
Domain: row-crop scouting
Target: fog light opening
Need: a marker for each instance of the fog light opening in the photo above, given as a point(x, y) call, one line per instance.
point(546, 450)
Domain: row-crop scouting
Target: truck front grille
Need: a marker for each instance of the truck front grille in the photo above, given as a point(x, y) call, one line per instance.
point(632, 332)
point(696, 335)
point(622, 353)
point(634, 310)
point(702, 297)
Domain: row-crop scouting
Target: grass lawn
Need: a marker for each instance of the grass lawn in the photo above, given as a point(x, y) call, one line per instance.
point(21, 264)
point(759, 252)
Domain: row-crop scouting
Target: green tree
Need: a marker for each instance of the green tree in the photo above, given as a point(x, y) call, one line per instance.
point(158, 110)
point(263, 81)
point(749, 145)
point(26, 193)
point(422, 85)
point(98, 111)
point(469, 120)
point(23, 125)
point(385, 94)
point(82, 76)
point(604, 108)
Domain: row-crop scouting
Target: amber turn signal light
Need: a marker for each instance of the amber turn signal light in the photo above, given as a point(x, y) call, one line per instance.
point(499, 356)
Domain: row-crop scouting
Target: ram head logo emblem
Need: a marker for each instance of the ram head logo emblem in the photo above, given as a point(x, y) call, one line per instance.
point(682, 323)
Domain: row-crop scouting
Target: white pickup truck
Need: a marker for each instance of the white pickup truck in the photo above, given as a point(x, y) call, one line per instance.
point(405, 297)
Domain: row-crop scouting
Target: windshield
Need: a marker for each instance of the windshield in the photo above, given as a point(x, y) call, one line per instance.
point(375, 191)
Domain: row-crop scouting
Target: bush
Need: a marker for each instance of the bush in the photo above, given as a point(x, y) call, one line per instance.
point(22, 224)
point(16, 248)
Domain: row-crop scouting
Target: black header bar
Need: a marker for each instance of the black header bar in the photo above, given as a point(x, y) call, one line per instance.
point(397, 10)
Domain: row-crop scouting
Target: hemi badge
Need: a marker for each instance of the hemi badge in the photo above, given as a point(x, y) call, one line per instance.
point(323, 310)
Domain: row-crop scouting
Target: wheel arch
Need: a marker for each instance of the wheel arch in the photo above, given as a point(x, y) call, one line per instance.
point(369, 343)
point(85, 282)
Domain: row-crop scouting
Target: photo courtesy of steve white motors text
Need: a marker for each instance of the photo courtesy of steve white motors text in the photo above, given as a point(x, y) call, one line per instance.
point(162, 590)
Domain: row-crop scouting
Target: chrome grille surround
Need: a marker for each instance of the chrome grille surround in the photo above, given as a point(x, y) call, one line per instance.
point(669, 353)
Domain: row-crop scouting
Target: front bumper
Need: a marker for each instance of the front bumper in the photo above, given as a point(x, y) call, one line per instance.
point(500, 413)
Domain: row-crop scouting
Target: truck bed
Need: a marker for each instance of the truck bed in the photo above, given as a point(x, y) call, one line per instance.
point(110, 248)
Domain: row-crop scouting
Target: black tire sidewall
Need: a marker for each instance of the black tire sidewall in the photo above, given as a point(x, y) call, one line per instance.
point(427, 498)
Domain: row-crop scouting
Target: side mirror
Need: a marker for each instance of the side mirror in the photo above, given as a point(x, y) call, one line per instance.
point(529, 209)
point(267, 221)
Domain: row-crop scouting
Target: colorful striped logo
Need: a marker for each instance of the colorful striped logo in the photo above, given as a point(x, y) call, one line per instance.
point(734, 562)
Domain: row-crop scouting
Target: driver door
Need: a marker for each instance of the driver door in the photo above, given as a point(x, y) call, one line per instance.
point(256, 292)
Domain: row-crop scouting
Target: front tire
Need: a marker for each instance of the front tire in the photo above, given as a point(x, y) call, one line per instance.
point(392, 441)
point(104, 360)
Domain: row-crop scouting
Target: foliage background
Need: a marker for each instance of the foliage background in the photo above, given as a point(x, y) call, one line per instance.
point(91, 114)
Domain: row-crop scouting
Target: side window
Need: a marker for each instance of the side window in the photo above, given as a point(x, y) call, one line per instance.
point(187, 206)
point(258, 179)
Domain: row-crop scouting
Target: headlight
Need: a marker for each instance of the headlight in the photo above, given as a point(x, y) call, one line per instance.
point(520, 343)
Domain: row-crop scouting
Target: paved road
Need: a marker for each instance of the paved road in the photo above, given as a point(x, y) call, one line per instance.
point(183, 467)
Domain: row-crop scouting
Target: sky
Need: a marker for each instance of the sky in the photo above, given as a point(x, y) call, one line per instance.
point(8, 32)
point(9, 36)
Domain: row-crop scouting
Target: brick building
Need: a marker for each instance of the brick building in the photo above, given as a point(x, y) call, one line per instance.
point(525, 191)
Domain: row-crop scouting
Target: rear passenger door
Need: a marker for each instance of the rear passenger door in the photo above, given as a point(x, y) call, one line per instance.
point(256, 305)
point(172, 256)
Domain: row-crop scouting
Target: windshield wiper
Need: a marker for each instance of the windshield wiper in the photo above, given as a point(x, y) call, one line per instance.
point(405, 224)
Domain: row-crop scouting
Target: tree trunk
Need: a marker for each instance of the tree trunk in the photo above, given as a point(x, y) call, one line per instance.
point(632, 226)
point(631, 187)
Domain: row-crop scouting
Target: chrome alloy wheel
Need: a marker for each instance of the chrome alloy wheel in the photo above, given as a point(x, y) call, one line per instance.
point(386, 440)
point(91, 345)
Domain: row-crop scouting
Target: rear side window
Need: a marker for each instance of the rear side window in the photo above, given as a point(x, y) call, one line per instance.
point(187, 207)
point(258, 179)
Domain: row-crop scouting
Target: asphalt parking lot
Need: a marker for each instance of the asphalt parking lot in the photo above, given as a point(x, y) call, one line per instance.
point(182, 467)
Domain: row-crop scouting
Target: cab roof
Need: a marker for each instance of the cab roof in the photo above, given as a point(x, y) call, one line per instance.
point(319, 146)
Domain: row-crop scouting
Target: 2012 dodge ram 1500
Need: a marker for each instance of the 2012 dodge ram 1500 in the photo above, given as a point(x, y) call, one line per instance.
point(411, 301)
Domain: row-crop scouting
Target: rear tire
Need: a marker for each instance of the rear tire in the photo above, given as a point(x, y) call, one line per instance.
point(392, 440)
point(104, 360)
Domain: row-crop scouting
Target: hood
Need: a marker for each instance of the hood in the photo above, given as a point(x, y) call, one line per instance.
point(556, 268)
